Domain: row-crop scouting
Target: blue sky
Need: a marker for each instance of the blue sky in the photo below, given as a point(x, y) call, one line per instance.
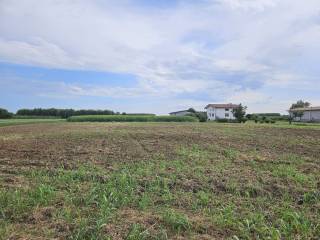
point(159, 56)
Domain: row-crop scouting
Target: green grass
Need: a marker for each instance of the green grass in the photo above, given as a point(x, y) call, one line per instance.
point(34, 117)
point(160, 181)
point(18, 121)
point(131, 118)
point(285, 124)
point(176, 221)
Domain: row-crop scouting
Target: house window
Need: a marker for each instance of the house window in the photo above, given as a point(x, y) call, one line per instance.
point(227, 115)
point(212, 115)
point(227, 109)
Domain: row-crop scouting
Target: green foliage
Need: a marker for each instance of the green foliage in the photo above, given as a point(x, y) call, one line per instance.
point(177, 221)
point(271, 117)
point(222, 120)
point(9, 122)
point(225, 120)
point(35, 117)
point(263, 119)
point(239, 113)
point(4, 114)
point(294, 109)
point(267, 114)
point(297, 113)
point(191, 110)
point(300, 104)
point(139, 114)
point(137, 232)
point(63, 113)
point(16, 204)
point(202, 116)
point(200, 189)
point(131, 118)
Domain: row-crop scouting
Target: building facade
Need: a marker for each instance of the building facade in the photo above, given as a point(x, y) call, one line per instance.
point(220, 111)
point(310, 114)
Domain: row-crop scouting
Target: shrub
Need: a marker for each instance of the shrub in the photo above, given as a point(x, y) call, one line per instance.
point(225, 120)
point(5, 114)
point(202, 116)
point(268, 114)
point(243, 120)
point(222, 120)
point(131, 118)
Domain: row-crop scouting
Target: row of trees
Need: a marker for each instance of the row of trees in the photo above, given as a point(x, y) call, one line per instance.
point(63, 113)
point(5, 114)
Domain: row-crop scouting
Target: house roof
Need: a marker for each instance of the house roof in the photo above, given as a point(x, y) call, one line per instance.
point(305, 109)
point(228, 105)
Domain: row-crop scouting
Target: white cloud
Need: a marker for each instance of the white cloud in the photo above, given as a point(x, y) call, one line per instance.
point(249, 5)
point(188, 48)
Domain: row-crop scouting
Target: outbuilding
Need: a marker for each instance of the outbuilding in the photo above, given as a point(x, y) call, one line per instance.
point(308, 114)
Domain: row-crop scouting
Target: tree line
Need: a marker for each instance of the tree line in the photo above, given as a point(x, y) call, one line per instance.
point(54, 112)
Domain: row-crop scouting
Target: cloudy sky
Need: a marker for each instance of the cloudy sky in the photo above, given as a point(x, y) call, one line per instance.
point(159, 55)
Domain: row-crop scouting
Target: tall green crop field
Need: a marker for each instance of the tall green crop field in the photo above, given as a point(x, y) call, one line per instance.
point(131, 118)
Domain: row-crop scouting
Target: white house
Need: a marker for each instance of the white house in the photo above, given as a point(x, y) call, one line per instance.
point(180, 113)
point(310, 114)
point(219, 111)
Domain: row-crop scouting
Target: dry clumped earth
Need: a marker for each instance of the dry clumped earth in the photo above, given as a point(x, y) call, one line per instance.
point(159, 181)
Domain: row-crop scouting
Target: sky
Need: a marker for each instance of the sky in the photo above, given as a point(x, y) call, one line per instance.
point(158, 56)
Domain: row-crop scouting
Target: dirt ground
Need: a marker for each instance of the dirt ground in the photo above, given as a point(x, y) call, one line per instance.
point(168, 181)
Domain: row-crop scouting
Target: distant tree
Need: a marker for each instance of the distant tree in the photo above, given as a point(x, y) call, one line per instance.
point(63, 113)
point(297, 113)
point(191, 110)
point(300, 104)
point(255, 118)
point(240, 113)
point(5, 114)
point(202, 116)
point(249, 116)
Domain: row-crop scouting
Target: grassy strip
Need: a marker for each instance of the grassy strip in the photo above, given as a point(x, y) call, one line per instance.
point(10, 122)
point(34, 117)
point(131, 118)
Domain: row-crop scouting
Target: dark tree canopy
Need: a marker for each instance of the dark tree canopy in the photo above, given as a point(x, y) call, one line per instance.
point(5, 114)
point(191, 110)
point(240, 113)
point(63, 113)
point(300, 104)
